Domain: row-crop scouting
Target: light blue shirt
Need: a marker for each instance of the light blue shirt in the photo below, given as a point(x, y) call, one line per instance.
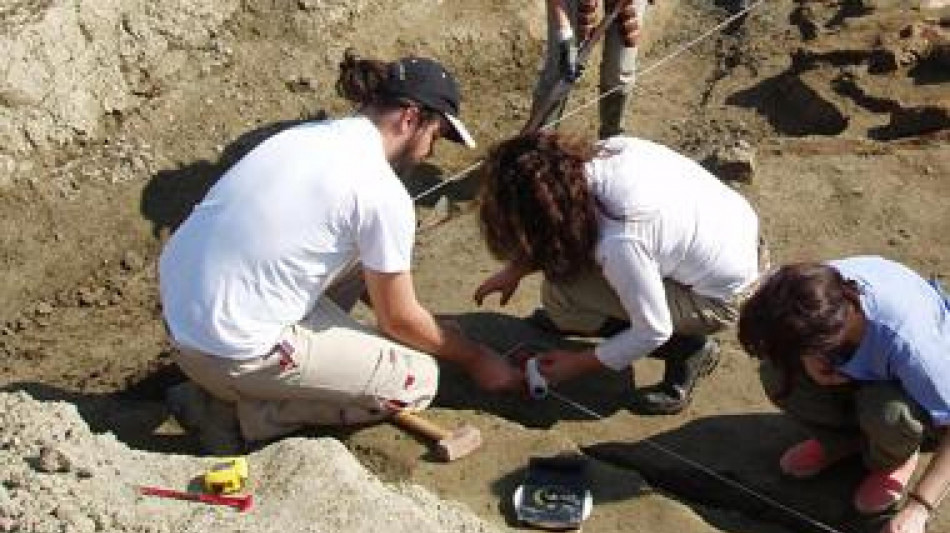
point(907, 338)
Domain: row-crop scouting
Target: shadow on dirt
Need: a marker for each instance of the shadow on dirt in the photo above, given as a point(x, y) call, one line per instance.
point(930, 72)
point(723, 470)
point(138, 417)
point(604, 393)
point(132, 415)
point(848, 9)
point(171, 194)
point(791, 106)
point(428, 181)
point(723, 463)
point(911, 122)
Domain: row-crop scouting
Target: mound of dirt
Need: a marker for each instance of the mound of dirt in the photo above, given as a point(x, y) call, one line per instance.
point(56, 475)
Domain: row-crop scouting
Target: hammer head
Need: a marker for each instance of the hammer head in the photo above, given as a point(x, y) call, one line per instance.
point(459, 443)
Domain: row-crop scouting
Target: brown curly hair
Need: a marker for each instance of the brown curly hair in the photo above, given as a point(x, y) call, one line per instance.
point(535, 204)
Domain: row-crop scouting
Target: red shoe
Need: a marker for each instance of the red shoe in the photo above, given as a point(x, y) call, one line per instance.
point(808, 458)
point(881, 489)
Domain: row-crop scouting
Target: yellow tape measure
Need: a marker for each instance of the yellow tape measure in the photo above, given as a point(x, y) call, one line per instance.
point(226, 476)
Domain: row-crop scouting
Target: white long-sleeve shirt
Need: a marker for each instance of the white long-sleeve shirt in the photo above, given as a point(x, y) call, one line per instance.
point(669, 219)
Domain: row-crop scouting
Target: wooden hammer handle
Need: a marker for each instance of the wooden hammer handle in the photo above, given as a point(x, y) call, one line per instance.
point(414, 422)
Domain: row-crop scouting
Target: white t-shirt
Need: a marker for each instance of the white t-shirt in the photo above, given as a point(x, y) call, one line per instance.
point(270, 236)
point(679, 222)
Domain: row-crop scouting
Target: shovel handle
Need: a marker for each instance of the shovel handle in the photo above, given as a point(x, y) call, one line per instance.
point(414, 422)
point(560, 89)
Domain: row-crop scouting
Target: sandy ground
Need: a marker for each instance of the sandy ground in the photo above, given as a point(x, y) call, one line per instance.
point(848, 160)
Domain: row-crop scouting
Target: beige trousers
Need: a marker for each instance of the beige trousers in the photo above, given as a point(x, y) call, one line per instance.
point(586, 303)
point(329, 369)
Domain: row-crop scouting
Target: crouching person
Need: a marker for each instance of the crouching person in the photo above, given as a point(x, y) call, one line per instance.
point(858, 351)
point(638, 245)
point(257, 282)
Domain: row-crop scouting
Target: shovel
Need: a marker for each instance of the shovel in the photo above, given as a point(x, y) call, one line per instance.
point(563, 85)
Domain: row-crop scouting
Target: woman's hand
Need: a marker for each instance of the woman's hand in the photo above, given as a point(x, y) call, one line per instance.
point(558, 366)
point(505, 281)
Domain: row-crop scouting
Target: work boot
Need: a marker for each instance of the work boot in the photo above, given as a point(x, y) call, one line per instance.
point(688, 358)
point(612, 108)
point(212, 422)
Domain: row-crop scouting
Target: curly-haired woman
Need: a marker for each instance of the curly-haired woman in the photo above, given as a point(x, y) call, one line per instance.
point(637, 243)
point(858, 351)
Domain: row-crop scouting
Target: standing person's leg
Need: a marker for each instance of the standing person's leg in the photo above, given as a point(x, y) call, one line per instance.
point(550, 70)
point(894, 426)
point(618, 70)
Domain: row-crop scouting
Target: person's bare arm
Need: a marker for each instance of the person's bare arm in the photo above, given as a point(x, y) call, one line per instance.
point(505, 282)
point(929, 491)
point(400, 316)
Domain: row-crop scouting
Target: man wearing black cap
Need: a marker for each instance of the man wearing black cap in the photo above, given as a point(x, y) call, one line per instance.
point(257, 282)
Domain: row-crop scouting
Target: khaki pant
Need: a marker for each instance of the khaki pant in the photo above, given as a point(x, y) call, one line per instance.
point(327, 370)
point(586, 303)
point(889, 424)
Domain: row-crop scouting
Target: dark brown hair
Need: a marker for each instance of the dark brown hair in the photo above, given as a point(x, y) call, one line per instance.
point(536, 206)
point(361, 81)
point(802, 308)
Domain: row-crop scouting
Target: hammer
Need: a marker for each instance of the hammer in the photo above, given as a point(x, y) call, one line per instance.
point(450, 445)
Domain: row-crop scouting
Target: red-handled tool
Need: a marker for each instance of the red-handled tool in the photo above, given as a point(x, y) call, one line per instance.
point(241, 503)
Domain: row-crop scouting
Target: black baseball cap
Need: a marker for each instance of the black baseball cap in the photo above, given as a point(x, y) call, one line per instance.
point(427, 83)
